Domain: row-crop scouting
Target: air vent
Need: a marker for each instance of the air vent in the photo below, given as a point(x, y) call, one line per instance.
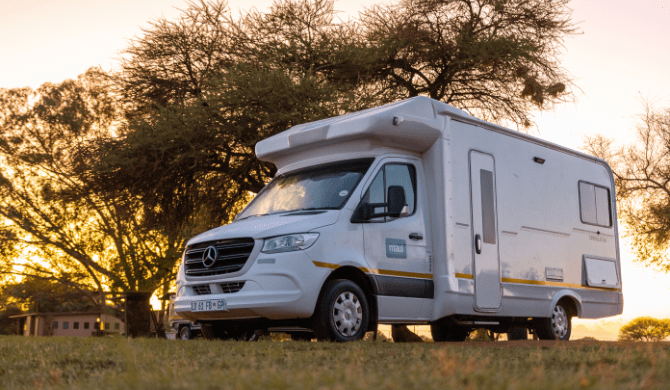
point(202, 289)
point(231, 255)
point(231, 287)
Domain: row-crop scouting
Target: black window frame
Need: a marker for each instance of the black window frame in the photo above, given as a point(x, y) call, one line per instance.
point(609, 203)
point(412, 175)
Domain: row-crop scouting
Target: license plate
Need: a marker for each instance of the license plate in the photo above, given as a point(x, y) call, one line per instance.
point(210, 305)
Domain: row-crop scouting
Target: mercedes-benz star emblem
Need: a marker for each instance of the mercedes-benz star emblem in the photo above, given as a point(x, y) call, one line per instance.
point(209, 257)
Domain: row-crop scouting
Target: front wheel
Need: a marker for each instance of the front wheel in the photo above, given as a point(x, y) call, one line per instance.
point(185, 333)
point(342, 312)
point(557, 327)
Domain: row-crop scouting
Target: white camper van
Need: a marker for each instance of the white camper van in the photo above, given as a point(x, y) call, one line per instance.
point(411, 213)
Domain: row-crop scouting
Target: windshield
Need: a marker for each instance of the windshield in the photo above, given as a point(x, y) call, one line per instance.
point(325, 187)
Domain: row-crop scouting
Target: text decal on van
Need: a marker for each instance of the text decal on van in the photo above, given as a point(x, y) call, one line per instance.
point(396, 248)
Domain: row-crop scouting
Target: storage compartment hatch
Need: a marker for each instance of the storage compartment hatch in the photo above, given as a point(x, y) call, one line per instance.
point(601, 272)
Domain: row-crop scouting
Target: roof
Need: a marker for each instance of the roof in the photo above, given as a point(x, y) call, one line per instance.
point(411, 124)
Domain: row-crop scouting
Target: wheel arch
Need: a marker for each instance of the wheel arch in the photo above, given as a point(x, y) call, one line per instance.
point(571, 300)
point(363, 281)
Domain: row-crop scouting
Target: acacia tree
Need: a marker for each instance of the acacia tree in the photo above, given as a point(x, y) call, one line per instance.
point(645, 329)
point(642, 177)
point(63, 230)
point(201, 91)
point(497, 59)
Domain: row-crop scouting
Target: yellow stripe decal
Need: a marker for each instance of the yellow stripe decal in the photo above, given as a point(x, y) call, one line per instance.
point(541, 283)
point(464, 276)
point(325, 265)
point(378, 271)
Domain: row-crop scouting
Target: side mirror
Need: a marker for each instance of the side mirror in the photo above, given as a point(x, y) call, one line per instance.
point(396, 201)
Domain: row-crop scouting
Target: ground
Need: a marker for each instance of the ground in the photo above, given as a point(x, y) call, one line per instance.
point(118, 363)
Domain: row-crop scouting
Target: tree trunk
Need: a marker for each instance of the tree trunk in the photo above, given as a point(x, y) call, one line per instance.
point(138, 314)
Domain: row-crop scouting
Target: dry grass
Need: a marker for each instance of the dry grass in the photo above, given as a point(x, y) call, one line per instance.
point(115, 363)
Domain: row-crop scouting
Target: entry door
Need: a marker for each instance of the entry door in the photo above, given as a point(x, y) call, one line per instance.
point(485, 232)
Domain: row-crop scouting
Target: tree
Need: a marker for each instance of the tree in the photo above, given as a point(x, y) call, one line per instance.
point(645, 329)
point(642, 178)
point(497, 59)
point(44, 295)
point(56, 227)
point(204, 89)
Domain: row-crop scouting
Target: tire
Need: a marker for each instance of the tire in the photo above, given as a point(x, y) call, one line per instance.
point(517, 333)
point(185, 333)
point(556, 327)
point(445, 329)
point(342, 312)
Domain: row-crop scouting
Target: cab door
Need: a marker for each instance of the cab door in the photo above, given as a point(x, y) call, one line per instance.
point(397, 248)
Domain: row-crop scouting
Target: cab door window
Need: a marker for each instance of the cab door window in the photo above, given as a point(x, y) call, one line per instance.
point(403, 175)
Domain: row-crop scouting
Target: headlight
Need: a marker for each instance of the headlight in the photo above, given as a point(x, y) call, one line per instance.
point(288, 243)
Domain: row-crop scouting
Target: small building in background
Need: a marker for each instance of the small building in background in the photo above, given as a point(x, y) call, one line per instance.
point(67, 324)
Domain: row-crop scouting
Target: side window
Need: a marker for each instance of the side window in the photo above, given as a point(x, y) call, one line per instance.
point(403, 175)
point(375, 194)
point(594, 204)
point(55, 324)
point(66, 325)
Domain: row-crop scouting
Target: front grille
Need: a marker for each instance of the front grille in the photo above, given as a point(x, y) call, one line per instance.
point(202, 289)
point(232, 254)
point(231, 287)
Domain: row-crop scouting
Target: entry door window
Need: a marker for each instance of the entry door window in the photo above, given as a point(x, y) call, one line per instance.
point(403, 175)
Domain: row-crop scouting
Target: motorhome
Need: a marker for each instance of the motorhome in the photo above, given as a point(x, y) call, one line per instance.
point(411, 213)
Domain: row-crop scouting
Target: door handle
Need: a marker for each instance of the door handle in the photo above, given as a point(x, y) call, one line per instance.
point(415, 236)
point(478, 244)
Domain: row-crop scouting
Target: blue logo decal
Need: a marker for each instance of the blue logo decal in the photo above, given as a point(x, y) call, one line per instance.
point(396, 248)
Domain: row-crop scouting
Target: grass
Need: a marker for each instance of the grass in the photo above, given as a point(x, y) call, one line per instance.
point(116, 363)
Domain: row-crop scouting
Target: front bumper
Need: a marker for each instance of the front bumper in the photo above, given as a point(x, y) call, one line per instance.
point(276, 286)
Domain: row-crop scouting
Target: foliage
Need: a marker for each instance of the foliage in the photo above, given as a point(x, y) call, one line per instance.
point(33, 294)
point(645, 329)
point(202, 90)
point(642, 178)
point(497, 59)
point(118, 363)
point(56, 227)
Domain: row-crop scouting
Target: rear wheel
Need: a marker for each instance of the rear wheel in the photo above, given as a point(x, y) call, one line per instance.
point(185, 333)
point(445, 329)
point(556, 327)
point(517, 333)
point(342, 312)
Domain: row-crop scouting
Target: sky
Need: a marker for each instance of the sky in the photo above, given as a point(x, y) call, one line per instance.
point(621, 56)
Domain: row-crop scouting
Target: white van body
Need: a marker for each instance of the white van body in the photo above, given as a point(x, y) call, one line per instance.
point(503, 227)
